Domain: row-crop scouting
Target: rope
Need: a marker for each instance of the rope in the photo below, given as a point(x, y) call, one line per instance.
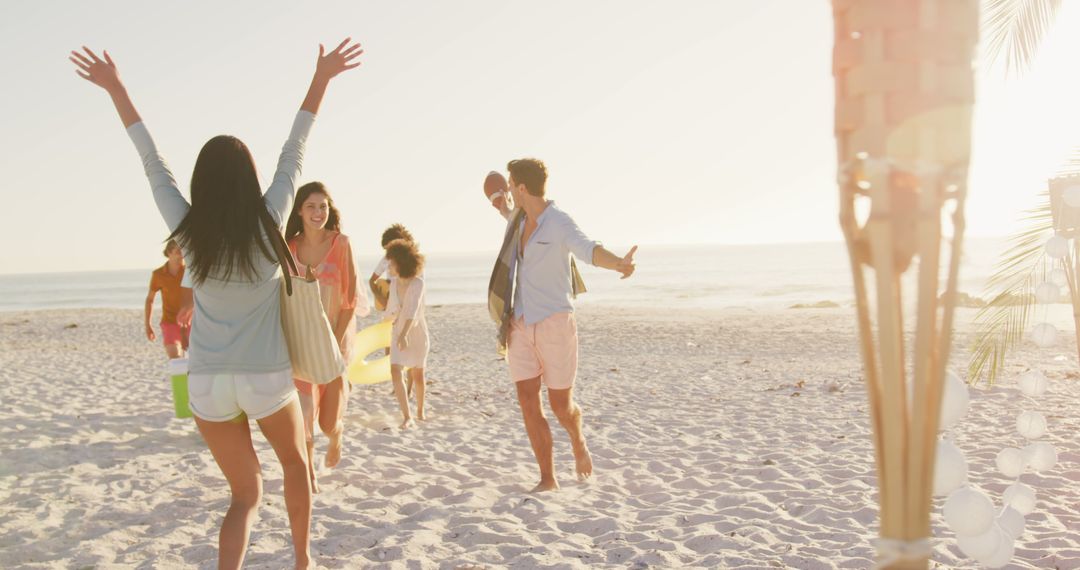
point(890, 551)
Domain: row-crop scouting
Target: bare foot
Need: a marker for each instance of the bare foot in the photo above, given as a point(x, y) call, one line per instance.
point(551, 485)
point(408, 423)
point(304, 563)
point(420, 417)
point(333, 451)
point(584, 462)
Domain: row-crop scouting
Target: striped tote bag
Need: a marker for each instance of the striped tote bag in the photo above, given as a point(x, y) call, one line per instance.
point(315, 355)
point(313, 349)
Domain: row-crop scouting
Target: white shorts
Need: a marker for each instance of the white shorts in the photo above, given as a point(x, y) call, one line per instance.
point(222, 397)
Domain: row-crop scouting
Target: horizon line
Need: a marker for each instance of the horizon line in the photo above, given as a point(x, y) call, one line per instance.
point(482, 251)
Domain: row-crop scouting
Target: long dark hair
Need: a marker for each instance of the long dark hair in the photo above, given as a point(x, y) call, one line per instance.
point(295, 225)
point(224, 227)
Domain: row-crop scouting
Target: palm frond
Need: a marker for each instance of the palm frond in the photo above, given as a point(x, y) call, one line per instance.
point(1014, 29)
point(1001, 324)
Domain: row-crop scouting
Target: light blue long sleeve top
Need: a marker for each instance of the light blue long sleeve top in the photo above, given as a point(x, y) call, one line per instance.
point(237, 322)
point(544, 284)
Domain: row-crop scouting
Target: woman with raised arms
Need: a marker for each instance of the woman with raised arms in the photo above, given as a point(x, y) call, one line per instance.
point(238, 360)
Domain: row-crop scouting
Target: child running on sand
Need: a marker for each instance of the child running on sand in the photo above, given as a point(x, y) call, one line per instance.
point(314, 236)
point(175, 326)
point(409, 340)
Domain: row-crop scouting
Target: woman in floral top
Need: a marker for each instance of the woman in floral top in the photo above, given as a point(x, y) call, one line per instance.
point(314, 235)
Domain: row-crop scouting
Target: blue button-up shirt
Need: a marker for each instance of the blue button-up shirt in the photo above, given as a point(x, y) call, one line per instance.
point(543, 286)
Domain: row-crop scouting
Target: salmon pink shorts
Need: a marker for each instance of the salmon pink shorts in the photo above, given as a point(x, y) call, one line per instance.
point(548, 349)
point(173, 333)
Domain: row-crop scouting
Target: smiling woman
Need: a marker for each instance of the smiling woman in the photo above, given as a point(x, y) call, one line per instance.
point(313, 232)
point(313, 207)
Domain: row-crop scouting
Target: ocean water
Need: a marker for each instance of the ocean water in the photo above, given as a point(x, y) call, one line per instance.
point(749, 276)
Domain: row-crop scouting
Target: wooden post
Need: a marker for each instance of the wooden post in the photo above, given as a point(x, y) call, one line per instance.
point(1071, 263)
point(904, 96)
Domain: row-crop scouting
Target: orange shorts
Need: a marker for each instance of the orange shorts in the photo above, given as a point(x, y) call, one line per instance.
point(548, 349)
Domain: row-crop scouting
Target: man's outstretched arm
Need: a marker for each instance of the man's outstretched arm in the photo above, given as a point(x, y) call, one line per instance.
point(602, 257)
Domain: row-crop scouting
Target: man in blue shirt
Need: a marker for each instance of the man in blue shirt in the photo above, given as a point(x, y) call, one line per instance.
point(542, 341)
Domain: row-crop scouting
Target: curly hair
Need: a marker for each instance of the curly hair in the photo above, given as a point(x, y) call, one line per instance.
point(396, 231)
point(406, 257)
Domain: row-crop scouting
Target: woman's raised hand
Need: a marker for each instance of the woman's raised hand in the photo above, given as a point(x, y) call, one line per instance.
point(100, 72)
point(343, 57)
point(103, 73)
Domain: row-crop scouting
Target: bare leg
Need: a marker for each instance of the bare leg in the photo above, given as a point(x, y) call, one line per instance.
point(307, 409)
point(174, 350)
point(230, 444)
point(399, 392)
point(285, 433)
point(569, 414)
point(387, 349)
point(332, 407)
point(536, 426)
point(417, 377)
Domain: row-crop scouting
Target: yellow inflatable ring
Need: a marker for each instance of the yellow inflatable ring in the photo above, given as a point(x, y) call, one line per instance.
point(375, 337)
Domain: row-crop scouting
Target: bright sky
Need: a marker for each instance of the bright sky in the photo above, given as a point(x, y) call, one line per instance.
point(706, 121)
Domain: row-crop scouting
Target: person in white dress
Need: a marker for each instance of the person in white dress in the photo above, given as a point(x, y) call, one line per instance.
point(409, 341)
point(382, 296)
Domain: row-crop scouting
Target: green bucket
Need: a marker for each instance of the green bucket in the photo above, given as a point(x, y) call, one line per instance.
point(178, 374)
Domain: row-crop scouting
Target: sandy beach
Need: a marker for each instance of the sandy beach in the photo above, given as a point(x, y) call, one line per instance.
point(722, 439)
